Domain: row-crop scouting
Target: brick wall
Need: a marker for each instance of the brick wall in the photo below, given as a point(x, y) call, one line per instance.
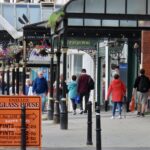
point(145, 49)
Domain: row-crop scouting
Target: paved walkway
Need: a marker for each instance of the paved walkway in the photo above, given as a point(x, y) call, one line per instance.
point(123, 134)
point(130, 133)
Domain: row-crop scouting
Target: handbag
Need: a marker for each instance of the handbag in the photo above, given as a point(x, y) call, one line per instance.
point(132, 104)
point(77, 99)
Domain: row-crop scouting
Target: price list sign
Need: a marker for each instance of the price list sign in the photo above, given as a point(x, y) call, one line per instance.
point(10, 120)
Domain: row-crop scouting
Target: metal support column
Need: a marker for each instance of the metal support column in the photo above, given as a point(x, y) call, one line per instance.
point(8, 78)
point(51, 99)
point(56, 116)
point(24, 67)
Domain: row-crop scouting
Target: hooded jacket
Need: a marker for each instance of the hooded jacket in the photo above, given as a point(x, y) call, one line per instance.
point(72, 87)
point(117, 89)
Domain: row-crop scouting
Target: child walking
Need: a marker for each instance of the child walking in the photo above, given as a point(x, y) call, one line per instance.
point(72, 87)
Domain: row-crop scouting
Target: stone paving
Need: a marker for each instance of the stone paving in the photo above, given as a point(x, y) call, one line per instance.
point(130, 133)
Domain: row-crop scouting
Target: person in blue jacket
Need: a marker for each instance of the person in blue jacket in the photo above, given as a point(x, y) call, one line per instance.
point(72, 87)
point(40, 87)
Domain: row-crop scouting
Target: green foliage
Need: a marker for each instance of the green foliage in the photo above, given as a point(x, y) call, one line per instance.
point(55, 18)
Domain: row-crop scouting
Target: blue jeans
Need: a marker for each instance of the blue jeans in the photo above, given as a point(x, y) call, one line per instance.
point(43, 99)
point(116, 105)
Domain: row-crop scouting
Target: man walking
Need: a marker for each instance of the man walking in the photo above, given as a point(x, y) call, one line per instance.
point(84, 89)
point(40, 87)
point(141, 85)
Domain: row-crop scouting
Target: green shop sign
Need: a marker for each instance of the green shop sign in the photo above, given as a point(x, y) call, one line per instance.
point(82, 44)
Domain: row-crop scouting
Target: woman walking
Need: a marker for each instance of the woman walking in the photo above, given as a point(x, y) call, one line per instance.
point(118, 90)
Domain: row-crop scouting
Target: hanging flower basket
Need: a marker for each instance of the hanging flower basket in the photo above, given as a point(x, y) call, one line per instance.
point(40, 50)
point(10, 52)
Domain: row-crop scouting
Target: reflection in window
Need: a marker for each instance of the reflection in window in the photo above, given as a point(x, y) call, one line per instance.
point(75, 22)
point(113, 23)
point(116, 6)
point(75, 6)
point(77, 63)
point(136, 6)
point(92, 22)
point(126, 23)
point(94, 6)
point(144, 23)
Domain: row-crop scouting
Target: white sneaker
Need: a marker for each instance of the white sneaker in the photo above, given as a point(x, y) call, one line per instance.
point(112, 117)
point(81, 112)
point(119, 117)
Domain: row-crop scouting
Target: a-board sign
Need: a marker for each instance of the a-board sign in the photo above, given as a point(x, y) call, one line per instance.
point(10, 120)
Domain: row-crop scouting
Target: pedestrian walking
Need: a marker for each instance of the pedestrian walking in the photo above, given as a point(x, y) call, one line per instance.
point(117, 89)
point(72, 87)
point(28, 87)
point(40, 87)
point(141, 88)
point(85, 85)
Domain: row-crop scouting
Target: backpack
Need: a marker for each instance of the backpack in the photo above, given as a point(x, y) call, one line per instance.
point(91, 84)
point(144, 84)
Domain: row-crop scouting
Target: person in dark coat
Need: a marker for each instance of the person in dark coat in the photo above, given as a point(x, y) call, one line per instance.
point(40, 87)
point(83, 89)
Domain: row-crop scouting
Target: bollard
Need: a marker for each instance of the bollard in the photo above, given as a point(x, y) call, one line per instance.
point(98, 129)
point(56, 117)
point(50, 108)
point(23, 127)
point(89, 124)
point(63, 115)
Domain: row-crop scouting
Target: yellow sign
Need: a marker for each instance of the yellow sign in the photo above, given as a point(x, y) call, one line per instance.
point(10, 120)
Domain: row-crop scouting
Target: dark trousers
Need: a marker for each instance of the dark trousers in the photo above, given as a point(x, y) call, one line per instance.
point(74, 105)
point(86, 95)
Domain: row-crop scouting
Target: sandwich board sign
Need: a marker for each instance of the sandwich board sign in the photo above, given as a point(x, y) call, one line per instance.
point(10, 120)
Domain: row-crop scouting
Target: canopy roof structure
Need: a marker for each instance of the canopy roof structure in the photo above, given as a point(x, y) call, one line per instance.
point(106, 18)
point(37, 31)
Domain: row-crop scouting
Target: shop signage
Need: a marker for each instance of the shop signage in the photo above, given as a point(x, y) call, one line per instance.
point(10, 120)
point(82, 43)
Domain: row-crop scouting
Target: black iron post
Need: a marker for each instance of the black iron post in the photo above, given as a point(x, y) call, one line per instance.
point(64, 109)
point(23, 127)
point(8, 78)
point(89, 124)
point(17, 78)
point(13, 80)
point(56, 116)
point(24, 67)
point(3, 80)
point(98, 120)
point(98, 129)
point(51, 100)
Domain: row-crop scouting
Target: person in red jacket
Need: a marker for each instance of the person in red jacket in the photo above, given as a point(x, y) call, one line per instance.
point(117, 89)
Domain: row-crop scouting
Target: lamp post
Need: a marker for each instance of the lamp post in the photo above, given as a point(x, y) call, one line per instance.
point(51, 100)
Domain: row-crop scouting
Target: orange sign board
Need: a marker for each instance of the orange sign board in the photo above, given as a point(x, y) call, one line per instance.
point(10, 120)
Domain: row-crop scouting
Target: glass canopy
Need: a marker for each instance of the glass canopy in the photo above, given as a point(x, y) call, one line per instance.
point(106, 13)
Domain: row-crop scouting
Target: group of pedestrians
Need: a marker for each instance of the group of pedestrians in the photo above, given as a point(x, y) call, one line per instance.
point(80, 88)
point(117, 90)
